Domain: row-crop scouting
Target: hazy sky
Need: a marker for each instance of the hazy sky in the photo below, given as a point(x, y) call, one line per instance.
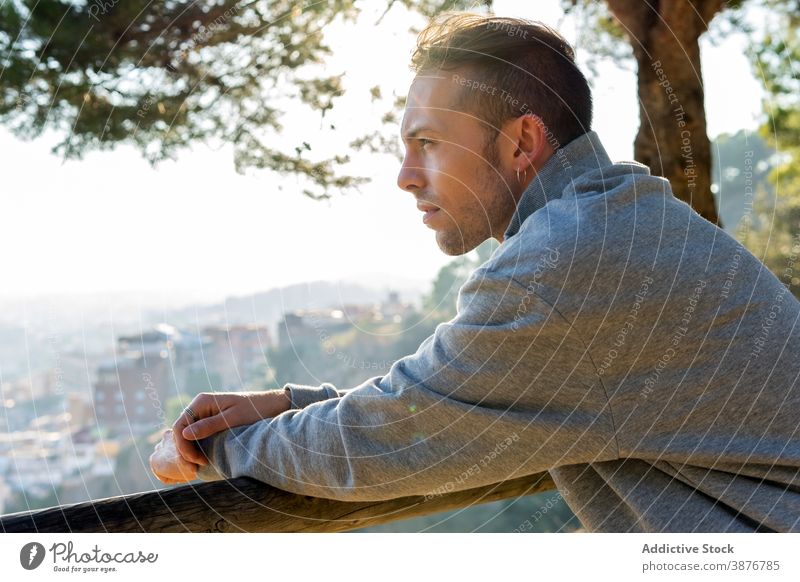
point(196, 228)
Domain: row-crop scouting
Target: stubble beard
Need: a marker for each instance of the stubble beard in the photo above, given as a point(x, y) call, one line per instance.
point(484, 220)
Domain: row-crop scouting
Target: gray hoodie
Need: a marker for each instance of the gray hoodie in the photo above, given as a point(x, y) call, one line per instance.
point(615, 338)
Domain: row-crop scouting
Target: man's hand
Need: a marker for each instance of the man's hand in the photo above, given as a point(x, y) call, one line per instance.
point(218, 411)
point(169, 466)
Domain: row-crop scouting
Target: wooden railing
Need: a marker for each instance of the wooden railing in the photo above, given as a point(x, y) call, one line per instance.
point(246, 505)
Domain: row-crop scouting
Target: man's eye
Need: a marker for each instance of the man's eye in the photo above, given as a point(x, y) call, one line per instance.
point(423, 142)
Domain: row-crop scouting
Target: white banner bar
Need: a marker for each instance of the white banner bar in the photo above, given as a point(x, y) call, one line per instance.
point(402, 557)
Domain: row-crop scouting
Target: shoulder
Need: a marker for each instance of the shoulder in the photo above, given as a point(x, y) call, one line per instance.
point(620, 179)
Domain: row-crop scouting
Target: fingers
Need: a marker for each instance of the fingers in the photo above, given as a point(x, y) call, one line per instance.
point(206, 427)
point(207, 404)
point(152, 463)
point(188, 450)
point(156, 466)
point(168, 466)
point(185, 471)
point(168, 481)
point(182, 422)
point(204, 405)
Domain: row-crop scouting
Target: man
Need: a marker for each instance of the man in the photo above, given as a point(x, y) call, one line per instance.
point(615, 338)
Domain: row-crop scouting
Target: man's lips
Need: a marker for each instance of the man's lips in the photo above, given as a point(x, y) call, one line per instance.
point(429, 209)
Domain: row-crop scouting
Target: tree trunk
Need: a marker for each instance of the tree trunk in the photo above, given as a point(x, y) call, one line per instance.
point(672, 136)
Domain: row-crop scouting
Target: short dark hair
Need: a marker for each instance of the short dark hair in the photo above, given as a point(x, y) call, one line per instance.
point(515, 66)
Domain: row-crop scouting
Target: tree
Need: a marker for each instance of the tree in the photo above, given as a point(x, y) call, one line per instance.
point(163, 76)
point(664, 38)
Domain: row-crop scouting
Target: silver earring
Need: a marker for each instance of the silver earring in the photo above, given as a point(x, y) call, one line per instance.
point(518, 182)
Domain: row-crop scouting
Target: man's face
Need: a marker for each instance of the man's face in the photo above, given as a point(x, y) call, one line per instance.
point(449, 168)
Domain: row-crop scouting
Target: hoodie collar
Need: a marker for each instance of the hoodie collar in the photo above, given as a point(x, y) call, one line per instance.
point(581, 155)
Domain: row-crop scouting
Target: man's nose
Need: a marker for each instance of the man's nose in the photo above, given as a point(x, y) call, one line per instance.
point(411, 177)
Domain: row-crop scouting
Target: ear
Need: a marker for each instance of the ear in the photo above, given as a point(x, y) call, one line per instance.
point(533, 147)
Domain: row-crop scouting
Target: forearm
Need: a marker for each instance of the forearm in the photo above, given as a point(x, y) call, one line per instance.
point(483, 400)
point(295, 396)
point(377, 443)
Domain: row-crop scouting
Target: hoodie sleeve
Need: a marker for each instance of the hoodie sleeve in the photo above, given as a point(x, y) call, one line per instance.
point(504, 389)
point(301, 395)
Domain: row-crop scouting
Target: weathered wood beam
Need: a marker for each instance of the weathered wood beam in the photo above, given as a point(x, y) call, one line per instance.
point(246, 505)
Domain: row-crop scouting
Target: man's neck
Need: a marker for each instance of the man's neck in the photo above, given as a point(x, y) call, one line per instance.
point(582, 154)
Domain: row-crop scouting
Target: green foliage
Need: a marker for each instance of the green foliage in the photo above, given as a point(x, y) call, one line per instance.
point(441, 301)
point(601, 37)
point(442, 298)
point(163, 76)
point(774, 60)
point(777, 236)
point(348, 355)
point(174, 407)
point(543, 512)
point(741, 167)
